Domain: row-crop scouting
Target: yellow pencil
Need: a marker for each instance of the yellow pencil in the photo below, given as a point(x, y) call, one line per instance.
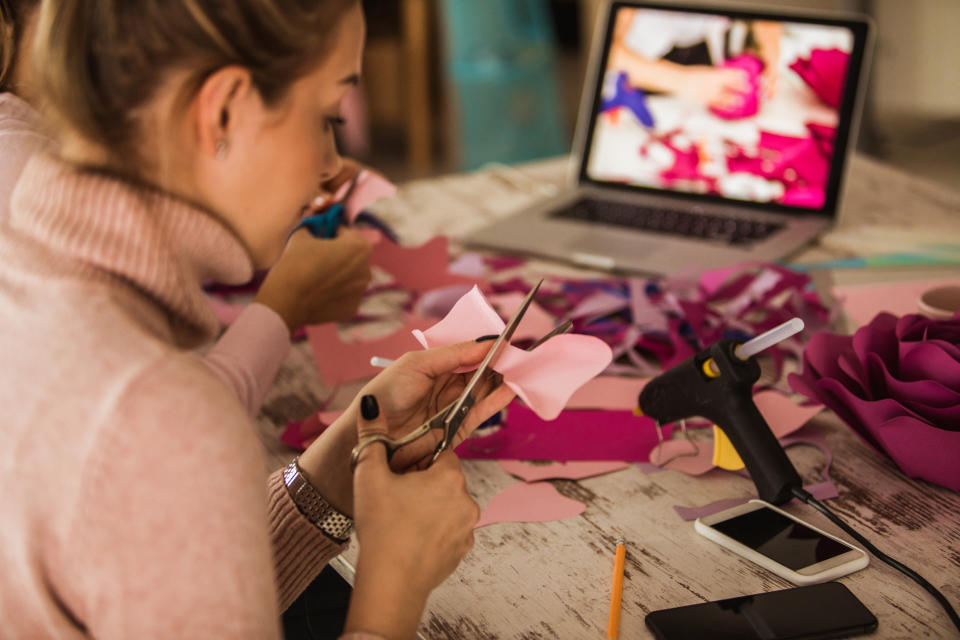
point(613, 625)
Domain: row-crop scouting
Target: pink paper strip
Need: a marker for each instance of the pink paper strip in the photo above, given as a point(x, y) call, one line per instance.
point(418, 268)
point(608, 392)
point(575, 470)
point(863, 302)
point(825, 490)
point(574, 435)
point(522, 502)
point(339, 361)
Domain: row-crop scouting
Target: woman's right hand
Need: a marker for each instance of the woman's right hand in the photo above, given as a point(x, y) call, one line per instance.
point(413, 530)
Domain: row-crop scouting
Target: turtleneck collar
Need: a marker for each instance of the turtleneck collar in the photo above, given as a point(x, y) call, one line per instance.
point(165, 247)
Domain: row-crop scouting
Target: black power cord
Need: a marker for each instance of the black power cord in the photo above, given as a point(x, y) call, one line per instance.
point(804, 496)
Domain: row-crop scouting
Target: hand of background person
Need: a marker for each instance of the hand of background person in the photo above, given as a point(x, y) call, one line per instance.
point(712, 86)
point(413, 529)
point(318, 280)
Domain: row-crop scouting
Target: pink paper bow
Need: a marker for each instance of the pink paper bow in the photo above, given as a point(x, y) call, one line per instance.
point(544, 378)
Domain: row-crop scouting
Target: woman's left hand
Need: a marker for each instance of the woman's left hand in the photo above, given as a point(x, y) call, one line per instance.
point(410, 391)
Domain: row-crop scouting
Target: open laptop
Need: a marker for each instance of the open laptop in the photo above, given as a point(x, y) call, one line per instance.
point(706, 136)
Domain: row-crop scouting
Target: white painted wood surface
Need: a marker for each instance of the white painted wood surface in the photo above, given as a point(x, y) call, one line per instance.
point(552, 580)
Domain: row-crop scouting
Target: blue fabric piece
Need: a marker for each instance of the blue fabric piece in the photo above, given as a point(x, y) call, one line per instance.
point(323, 225)
point(632, 98)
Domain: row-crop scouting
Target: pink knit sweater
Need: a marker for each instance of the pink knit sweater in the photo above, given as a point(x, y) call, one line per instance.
point(133, 482)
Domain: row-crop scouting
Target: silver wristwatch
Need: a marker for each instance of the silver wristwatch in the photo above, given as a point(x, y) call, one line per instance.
point(312, 505)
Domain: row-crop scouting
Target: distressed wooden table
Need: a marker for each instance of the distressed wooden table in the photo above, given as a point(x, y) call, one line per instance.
point(552, 580)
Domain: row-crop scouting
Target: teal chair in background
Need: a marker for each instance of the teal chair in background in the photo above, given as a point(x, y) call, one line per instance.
point(501, 71)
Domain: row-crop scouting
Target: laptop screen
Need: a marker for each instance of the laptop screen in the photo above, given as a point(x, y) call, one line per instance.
point(725, 106)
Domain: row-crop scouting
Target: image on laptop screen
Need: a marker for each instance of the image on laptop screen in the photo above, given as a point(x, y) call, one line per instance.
point(720, 105)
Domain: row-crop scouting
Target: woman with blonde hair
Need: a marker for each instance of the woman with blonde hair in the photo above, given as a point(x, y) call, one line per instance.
point(190, 134)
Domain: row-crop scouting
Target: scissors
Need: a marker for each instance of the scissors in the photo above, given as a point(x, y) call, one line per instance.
point(450, 418)
point(326, 223)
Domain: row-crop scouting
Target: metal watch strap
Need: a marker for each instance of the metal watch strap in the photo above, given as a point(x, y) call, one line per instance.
point(313, 506)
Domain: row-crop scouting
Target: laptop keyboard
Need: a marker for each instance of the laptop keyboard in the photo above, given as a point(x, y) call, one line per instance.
point(731, 230)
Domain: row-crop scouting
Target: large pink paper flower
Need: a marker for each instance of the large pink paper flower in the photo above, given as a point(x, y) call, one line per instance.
point(896, 382)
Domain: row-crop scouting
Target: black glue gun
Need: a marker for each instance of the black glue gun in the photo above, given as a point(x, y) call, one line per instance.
point(717, 384)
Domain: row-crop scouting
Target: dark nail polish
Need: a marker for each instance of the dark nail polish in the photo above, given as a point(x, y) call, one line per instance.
point(369, 408)
point(490, 337)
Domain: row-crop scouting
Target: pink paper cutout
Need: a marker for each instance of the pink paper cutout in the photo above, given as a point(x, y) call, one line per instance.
point(599, 304)
point(370, 187)
point(470, 265)
point(573, 435)
point(536, 322)
point(470, 318)
point(339, 361)
point(680, 449)
point(418, 268)
point(574, 470)
point(824, 490)
point(437, 303)
point(301, 434)
point(544, 378)
point(863, 302)
point(522, 502)
point(782, 414)
point(608, 392)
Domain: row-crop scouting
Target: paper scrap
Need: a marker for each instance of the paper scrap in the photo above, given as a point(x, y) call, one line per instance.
point(370, 187)
point(418, 268)
point(522, 502)
point(680, 454)
point(574, 470)
point(535, 323)
point(824, 490)
point(339, 361)
point(863, 302)
point(573, 435)
point(783, 415)
point(608, 392)
point(301, 434)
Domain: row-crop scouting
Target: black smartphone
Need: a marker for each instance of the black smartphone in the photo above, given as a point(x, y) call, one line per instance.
point(814, 612)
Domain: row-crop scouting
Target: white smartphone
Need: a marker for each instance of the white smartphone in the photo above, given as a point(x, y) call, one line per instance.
point(779, 542)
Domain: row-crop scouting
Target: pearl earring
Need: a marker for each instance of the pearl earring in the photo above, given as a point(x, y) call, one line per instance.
point(221, 149)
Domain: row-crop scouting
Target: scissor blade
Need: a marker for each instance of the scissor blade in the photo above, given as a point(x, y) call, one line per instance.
point(497, 349)
point(462, 406)
point(563, 328)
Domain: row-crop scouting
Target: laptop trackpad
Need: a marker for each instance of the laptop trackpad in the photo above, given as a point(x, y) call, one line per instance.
point(609, 250)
